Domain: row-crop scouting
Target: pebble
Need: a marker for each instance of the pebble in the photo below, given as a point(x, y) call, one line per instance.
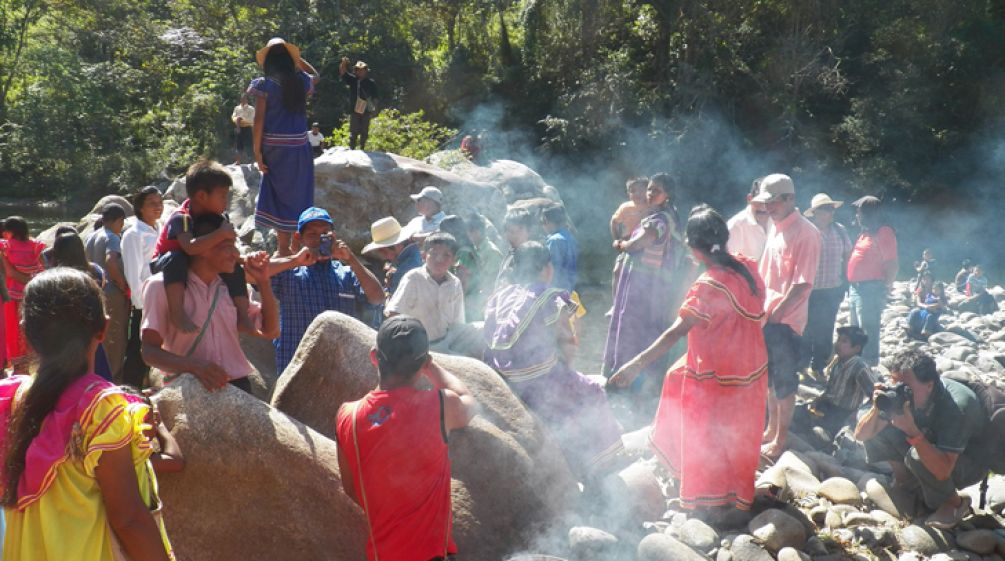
point(926, 541)
point(981, 542)
point(777, 529)
point(839, 490)
point(698, 535)
point(661, 547)
point(888, 499)
point(745, 548)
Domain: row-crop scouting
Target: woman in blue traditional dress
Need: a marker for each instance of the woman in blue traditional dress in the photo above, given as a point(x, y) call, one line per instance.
point(282, 150)
point(530, 342)
point(643, 293)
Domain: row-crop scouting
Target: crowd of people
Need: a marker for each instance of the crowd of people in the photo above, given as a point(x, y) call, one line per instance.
point(714, 321)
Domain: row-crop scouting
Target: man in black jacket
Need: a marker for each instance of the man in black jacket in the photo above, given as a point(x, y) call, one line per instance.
point(362, 101)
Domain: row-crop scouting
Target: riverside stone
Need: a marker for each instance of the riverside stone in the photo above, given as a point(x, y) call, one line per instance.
point(698, 535)
point(661, 547)
point(777, 529)
point(746, 548)
point(840, 491)
point(924, 540)
point(591, 543)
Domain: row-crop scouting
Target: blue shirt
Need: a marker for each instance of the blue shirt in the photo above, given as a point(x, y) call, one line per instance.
point(564, 254)
point(409, 258)
point(304, 293)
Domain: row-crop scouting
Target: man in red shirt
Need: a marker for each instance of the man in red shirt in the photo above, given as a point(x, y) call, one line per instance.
point(392, 447)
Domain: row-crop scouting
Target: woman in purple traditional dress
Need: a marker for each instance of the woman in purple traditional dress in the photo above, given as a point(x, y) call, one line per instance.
point(642, 292)
point(282, 150)
point(530, 342)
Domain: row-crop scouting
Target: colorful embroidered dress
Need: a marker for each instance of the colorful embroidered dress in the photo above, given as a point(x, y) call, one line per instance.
point(288, 188)
point(521, 329)
point(711, 413)
point(60, 513)
point(26, 257)
point(643, 293)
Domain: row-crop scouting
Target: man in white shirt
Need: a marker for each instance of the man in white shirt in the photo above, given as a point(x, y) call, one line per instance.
point(244, 120)
point(748, 229)
point(435, 297)
point(316, 139)
point(429, 205)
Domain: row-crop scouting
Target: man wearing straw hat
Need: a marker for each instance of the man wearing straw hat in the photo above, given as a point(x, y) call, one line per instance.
point(829, 284)
point(362, 101)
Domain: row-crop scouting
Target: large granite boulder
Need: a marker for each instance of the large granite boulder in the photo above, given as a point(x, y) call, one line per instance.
point(511, 484)
point(257, 484)
point(359, 187)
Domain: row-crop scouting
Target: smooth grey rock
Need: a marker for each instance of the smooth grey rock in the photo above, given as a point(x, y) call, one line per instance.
point(791, 554)
point(698, 535)
point(796, 460)
point(896, 502)
point(857, 519)
point(924, 540)
point(949, 339)
point(801, 484)
point(981, 542)
point(591, 543)
point(840, 491)
point(884, 518)
point(777, 529)
point(661, 547)
point(746, 548)
point(723, 554)
point(815, 547)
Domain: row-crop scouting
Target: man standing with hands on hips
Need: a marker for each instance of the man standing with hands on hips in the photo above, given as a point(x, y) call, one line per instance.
point(362, 101)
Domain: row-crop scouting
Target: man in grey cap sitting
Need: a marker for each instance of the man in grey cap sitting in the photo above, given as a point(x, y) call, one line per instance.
point(429, 205)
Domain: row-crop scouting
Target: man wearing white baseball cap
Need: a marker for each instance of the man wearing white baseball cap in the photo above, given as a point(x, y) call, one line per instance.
point(748, 229)
point(829, 284)
point(429, 205)
point(788, 267)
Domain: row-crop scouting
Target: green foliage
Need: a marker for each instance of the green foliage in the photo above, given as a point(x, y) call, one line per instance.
point(406, 134)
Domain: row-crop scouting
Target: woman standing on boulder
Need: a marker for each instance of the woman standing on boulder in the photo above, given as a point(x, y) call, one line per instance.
point(708, 426)
point(76, 480)
point(642, 290)
point(282, 149)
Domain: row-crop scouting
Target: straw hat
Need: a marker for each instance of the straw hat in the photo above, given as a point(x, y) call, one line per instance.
point(360, 65)
point(385, 233)
point(819, 200)
point(290, 48)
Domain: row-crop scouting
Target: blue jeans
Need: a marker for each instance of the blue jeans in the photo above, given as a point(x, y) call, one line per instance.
point(867, 300)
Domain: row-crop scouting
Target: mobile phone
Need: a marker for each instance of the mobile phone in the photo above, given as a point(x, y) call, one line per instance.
point(325, 249)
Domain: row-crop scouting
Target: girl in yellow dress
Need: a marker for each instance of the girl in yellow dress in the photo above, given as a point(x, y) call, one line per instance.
point(76, 480)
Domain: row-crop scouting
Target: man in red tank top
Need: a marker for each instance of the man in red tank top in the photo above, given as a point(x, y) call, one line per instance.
point(392, 447)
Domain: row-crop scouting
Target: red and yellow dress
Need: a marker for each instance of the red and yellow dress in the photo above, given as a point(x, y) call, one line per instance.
point(60, 512)
point(711, 414)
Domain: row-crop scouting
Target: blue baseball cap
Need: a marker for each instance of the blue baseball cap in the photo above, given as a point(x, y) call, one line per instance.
point(313, 214)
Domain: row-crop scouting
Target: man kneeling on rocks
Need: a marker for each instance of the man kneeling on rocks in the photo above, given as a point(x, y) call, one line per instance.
point(212, 353)
point(392, 447)
point(928, 429)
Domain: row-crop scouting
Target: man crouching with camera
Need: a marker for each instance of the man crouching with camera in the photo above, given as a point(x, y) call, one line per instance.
point(926, 427)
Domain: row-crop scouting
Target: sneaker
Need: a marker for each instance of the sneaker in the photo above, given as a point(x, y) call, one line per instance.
point(946, 517)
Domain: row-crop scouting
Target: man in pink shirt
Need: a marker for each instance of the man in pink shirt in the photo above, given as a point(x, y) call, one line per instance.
point(213, 352)
point(788, 266)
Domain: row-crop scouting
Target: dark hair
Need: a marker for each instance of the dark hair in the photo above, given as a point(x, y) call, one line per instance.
point(519, 217)
point(281, 67)
point(667, 183)
point(555, 214)
point(528, 261)
point(68, 251)
point(18, 227)
point(856, 336)
point(205, 224)
point(633, 181)
point(65, 229)
point(63, 313)
point(456, 227)
point(871, 212)
point(140, 199)
point(440, 238)
point(919, 363)
point(206, 175)
point(707, 232)
point(112, 212)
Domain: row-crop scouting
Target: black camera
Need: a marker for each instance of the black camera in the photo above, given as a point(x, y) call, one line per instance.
point(890, 401)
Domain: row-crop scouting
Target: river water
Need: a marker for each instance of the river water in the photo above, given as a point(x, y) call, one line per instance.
point(40, 215)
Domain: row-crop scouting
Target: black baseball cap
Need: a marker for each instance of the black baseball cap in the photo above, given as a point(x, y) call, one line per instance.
point(402, 343)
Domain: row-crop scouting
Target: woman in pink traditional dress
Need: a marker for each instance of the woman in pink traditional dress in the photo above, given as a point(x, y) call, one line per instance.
point(22, 260)
point(708, 426)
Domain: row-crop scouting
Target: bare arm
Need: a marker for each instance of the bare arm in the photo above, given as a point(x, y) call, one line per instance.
point(631, 370)
point(367, 280)
point(870, 425)
point(791, 299)
point(640, 241)
point(345, 473)
point(257, 267)
point(114, 272)
point(308, 68)
point(128, 517)
point(170, 458)
point(459, 406)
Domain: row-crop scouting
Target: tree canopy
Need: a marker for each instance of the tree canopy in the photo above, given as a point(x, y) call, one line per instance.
point(897, 98)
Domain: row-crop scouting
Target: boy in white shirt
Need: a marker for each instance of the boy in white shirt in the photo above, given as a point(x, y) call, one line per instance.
point(435, 297)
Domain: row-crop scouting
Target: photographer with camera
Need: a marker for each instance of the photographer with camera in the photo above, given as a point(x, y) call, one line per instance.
point(927, 428)
point(324, 275)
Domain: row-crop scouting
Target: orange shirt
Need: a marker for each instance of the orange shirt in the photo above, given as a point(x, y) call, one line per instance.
point(872, 252)
point(791, 256)
point(404, 481)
